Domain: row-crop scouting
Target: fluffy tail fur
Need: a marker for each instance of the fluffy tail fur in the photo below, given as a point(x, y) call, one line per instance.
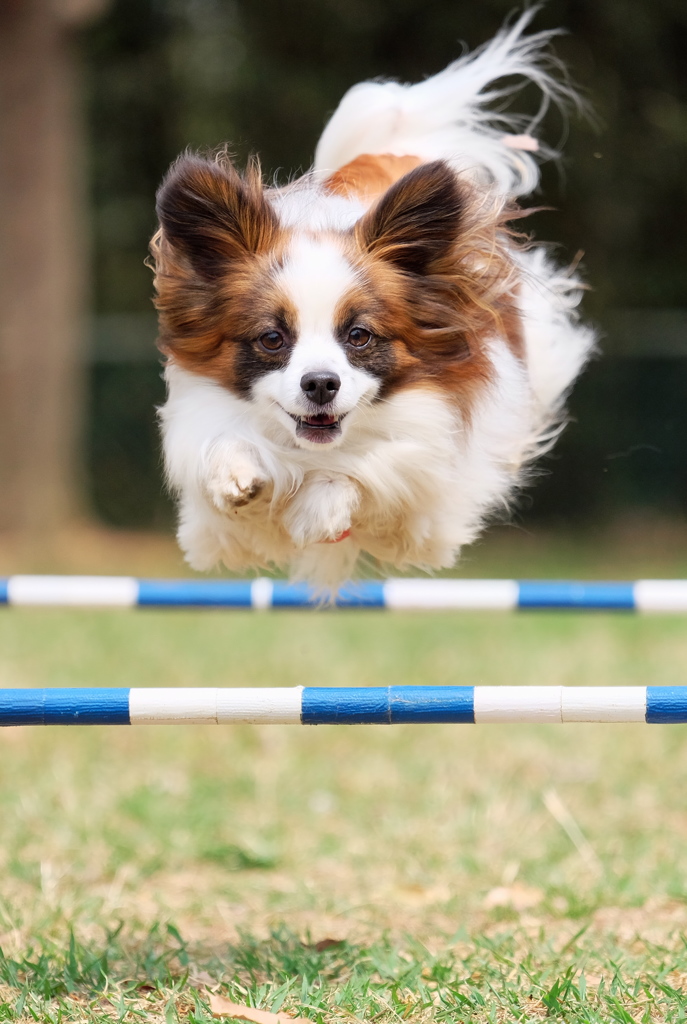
point(451, 115)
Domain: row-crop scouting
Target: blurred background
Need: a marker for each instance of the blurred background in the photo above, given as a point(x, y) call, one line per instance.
point(97, 97)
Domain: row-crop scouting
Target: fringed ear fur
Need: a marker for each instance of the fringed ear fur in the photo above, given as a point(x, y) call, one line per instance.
point(212, 215)
point(416, 222)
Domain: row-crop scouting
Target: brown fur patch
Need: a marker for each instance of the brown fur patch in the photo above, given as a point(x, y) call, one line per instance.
point(369, 176)
point(215, 253)
point(436, 254)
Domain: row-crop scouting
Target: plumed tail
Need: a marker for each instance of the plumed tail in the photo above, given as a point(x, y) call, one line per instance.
point(452, 115)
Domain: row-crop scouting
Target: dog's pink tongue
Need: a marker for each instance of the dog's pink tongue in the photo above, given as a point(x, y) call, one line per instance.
point(321, 420)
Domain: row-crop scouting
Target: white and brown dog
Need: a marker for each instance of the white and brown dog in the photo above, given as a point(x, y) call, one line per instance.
point(367, 356)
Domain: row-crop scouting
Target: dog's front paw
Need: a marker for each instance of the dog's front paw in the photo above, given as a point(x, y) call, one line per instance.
point(233, 479)
point(322, 510)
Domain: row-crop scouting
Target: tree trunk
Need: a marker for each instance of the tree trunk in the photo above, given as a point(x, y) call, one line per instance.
point(43, 269)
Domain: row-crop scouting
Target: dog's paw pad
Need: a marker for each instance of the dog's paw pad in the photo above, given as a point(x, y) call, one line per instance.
point(243, 496)
point(236, 489)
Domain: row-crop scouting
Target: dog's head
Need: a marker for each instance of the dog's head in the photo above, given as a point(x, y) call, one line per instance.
point(313, 324)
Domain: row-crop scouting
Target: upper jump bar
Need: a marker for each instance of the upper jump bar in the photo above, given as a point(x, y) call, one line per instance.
point(394, 594)
point(383, 705)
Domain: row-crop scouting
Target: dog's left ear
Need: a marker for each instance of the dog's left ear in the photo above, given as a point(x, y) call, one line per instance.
point(415, 223)
point(214, 215)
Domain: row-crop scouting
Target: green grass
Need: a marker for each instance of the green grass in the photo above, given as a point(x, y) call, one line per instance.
point(351, 873)
point(483, 978)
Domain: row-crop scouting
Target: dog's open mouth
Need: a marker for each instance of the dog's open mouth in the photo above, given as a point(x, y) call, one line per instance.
point(320, 429)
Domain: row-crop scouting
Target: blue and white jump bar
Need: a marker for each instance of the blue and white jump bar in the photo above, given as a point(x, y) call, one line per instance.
point(395, 594)
point(313, 705)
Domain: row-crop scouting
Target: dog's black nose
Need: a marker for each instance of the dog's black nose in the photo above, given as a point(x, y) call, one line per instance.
point(320, 387)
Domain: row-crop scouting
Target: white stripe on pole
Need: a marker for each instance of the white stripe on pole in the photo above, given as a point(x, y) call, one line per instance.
point(204, 706)
point(85, 591)
point(149, 706)
point(271, 706)
point(470, 594)
point(660, 595)
point(261, 591)
point(604, 704)
point(517, 704)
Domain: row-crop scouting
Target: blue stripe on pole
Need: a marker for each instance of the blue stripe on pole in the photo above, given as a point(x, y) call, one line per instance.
point(363, 594)
point(432, 704)
point(293, 595)
point(64, 707)
point(569, 594)
point(391, 705)
point(3, 590)
point(666, 704)
point(198, 593)
point(351, 705)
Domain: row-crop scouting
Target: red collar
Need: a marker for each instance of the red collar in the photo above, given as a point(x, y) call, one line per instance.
point(342, 536)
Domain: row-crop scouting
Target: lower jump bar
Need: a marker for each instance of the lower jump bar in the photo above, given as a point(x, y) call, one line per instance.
point(313, 705)
point(393, 594)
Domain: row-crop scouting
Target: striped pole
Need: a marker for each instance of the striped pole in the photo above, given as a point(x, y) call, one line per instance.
point(394, 594)
point(314, 705)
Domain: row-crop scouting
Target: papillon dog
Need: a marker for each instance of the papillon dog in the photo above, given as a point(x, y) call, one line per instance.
point(367, 359)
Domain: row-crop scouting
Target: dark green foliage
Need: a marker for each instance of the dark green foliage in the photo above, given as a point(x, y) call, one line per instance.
point(123, 453)
point(624, 450)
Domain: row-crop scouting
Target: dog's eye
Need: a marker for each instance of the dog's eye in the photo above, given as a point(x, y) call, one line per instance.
point(359, 337)
point(271, 341)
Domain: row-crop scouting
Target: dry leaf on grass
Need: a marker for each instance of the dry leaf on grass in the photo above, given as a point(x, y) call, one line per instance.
point(221, 1007)
point(325, 944)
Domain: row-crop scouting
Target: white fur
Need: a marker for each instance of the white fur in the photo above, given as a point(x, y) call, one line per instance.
point(302, 205)
point(315, 277)
point(557, 345)
point(409, 477)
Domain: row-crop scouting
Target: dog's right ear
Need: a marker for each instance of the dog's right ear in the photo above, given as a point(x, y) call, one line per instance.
point(212, 215)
